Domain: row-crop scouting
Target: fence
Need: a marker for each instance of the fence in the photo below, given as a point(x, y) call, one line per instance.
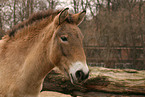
point(115, 57)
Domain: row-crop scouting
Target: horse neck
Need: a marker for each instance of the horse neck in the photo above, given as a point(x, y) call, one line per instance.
point(36, 67)
point(34, 64)
point(37, 63)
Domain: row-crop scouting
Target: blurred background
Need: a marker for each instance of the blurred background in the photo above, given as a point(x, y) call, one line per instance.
point(114, 30)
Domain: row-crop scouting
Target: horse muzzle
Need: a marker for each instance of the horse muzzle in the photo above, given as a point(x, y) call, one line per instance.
point(78, 72)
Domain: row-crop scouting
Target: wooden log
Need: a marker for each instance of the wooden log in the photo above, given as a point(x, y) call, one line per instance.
point(122, 81)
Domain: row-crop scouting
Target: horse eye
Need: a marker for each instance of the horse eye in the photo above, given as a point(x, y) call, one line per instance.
point(63, 38)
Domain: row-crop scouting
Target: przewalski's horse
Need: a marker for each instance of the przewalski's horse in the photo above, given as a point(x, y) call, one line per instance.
point(34, 47)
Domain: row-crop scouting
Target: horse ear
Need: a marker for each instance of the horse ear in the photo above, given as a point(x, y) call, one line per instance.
point(79, 17)
point(61, 16)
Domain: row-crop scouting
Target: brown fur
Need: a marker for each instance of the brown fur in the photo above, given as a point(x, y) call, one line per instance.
point(33, 48)
point(34, 17)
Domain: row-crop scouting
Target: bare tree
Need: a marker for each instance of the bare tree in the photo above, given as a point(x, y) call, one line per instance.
point(142, 33)
point(1, 26)
point(76, 5)
point(28, 9)
point(84, 4)
point(14, 12)
point(22, 8)
point(0, 17)
point(108, 4)
point(52, 3)
point(90, 7)
point(31, 6)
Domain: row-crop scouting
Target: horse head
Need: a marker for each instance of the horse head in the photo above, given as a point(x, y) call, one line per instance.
point(66, 49)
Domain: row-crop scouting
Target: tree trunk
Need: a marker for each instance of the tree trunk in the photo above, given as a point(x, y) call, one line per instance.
point(142, 33)
point(0, 17)
point(75, 6)
point(124, 81)
point(92, 13)
point(108, 5)
point(131, 5)
point(28, 9)
point(14, 14)
point(84, 5)
point(31, 6)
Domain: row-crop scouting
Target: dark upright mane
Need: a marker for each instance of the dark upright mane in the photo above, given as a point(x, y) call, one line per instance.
point(34, 17)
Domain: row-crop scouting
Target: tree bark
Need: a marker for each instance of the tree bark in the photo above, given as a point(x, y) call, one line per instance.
point(28, 9)
point(14, 14)
point(108, 5)
point(92, 13)
point(75, 6)
point(0, 17)
point(31, 6)
point(124, 81)
point(142, 33)
point(84, 5)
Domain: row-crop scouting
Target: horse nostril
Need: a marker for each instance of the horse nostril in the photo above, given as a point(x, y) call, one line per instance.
point(79, 75)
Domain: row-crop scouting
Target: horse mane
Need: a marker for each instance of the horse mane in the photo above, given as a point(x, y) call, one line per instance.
point(34, 17)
